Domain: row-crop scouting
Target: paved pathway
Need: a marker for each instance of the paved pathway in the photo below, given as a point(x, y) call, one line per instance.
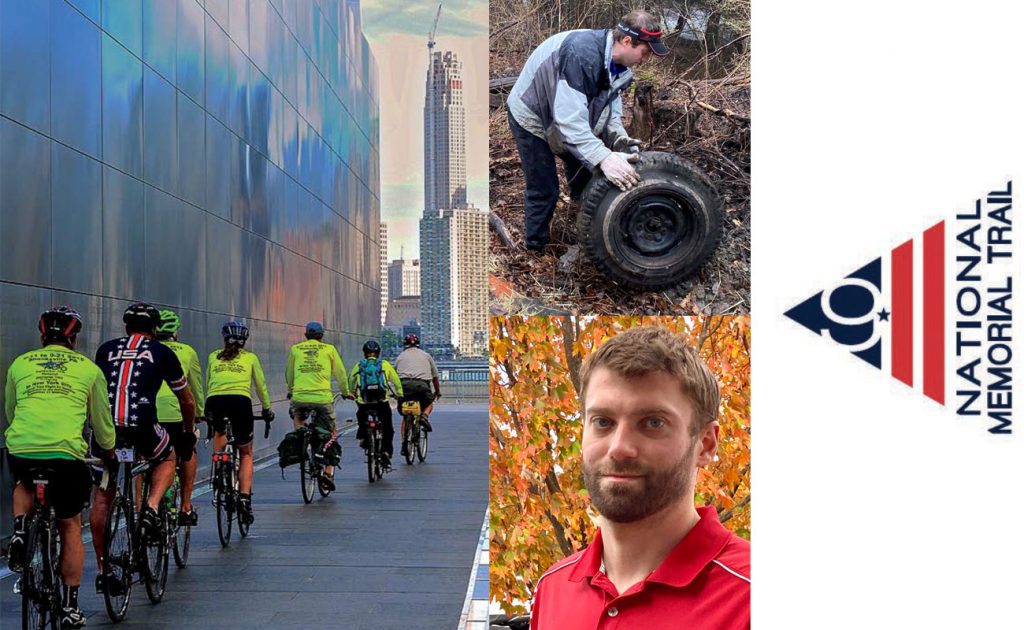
point(394, 554)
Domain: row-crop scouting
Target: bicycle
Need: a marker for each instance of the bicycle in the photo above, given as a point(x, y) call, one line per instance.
point(135, 553)
point(41, 583)
point(374, 447)
point(226, 493)
point(313, 462)
point(415, 435)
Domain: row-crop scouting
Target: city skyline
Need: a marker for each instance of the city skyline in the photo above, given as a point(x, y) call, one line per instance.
point(397, 33)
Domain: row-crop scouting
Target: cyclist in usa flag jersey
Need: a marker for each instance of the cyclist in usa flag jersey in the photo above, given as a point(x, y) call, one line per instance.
point(135, 366)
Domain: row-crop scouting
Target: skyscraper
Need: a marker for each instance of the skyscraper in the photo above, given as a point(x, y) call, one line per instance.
point(403, 278)
point(453, 233)
point(383, 272)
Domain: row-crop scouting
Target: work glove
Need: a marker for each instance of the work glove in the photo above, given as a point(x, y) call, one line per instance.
point(617, 168)
point(625, 144)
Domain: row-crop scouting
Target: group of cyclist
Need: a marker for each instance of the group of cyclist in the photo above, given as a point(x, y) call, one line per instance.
point(145, 392)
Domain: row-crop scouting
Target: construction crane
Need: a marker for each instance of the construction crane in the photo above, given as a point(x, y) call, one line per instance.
point(433, 31)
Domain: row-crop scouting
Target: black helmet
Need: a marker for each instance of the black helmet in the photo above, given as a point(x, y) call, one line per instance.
point(62, 322)
point(411, 340)
point(141, 317)
point(371, 347)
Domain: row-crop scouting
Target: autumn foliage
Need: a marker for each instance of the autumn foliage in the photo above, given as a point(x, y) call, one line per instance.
point(538, 505)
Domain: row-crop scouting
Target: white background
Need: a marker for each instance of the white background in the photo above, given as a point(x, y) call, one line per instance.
point(873, 506)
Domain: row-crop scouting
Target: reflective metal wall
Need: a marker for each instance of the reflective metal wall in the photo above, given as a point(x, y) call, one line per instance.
point(215, 156)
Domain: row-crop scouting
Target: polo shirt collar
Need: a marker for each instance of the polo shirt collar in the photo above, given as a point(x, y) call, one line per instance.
point(686, 560)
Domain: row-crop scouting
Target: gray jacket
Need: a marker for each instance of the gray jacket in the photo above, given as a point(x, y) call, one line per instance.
point(567, 95)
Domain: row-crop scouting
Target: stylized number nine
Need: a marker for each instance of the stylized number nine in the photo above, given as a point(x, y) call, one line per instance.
point(867, 318)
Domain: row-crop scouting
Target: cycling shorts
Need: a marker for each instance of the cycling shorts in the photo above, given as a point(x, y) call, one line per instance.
point(418, 389)
point(179, 439)
point(150, 441)
point(233, 408)
point(325, 416)
point(68, 487)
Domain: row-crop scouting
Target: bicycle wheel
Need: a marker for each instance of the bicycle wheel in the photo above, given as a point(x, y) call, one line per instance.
point(243, 526)
point(371, 456)
point(421, 441)
point(223, 501)
point(307, 469)
point(39, 586)
point(155, 559)
point(117, 559)
point(182, 537)
point(407, 439)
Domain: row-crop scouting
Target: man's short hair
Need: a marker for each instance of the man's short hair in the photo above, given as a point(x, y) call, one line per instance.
point(648, 349)
point(637, 20)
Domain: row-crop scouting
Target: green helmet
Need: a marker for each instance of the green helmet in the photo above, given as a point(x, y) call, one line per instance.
point(169, 322)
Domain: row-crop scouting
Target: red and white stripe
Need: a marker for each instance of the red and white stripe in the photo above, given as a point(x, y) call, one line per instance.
point(122, 400)
point(918, 277)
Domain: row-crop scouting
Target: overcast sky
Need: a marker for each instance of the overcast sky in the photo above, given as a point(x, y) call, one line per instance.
point(397, 31)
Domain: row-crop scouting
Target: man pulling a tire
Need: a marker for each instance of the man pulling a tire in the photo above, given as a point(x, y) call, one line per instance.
point(567, 101)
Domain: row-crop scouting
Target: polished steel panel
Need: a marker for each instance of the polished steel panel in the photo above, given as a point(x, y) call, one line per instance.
point(218, 168)
point(191, 50)
point(160, 132)
point(160, 36)
point(175, 251)
point(122, 108)
point(218, 70)
point(238, 23)
point(122, 20)
point(191, 142)
point(75, 80)
point(124, 257)
point(77, 211)
point(91, 9)
point(220, 11)
point(25, 62)
point(223, 278)
point(24, 204)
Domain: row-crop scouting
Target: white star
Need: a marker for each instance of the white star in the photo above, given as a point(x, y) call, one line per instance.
point(134, 417)
point(110, 395)
point(134, 395)
point(113, 373)
point(134, 406)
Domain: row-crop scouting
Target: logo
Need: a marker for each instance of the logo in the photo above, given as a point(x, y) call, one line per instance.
point(935, 312)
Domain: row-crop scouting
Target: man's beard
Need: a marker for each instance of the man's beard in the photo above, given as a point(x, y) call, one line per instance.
point(626, 503)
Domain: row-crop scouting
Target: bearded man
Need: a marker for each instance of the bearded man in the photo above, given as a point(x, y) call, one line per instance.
point(657, 561)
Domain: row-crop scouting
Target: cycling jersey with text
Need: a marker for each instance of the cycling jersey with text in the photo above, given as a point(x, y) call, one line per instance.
point(135, 366)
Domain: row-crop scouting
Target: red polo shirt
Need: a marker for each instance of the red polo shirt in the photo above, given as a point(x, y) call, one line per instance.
point(703, 584)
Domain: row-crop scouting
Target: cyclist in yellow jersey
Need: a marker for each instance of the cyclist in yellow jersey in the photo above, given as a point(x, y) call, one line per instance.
point(371, 379)
point(50, 393)
point(230, 375)
point(311, 364)
point(168, 411)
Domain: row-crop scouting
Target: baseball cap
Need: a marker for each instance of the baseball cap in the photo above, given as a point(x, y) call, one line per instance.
point(653, 38)
point(315, 328)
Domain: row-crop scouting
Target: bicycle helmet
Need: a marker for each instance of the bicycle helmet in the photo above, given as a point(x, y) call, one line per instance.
point(236, 331)
point(411, 340)
point(371, 347)
point(170, 323)
point(141, 317)
point(60, 321)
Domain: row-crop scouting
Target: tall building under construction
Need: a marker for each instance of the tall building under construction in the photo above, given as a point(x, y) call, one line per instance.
point(453, 233)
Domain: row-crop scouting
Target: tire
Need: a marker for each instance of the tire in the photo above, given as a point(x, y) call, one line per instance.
point(38, 579)
point(243, 527)
point(155, 558)
point(421, 443)
point(307, 476)
point(371, 456)
point(224, 503)
point(182, 538)
point(657, 234)
point(410, 457)
point(118, 560)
